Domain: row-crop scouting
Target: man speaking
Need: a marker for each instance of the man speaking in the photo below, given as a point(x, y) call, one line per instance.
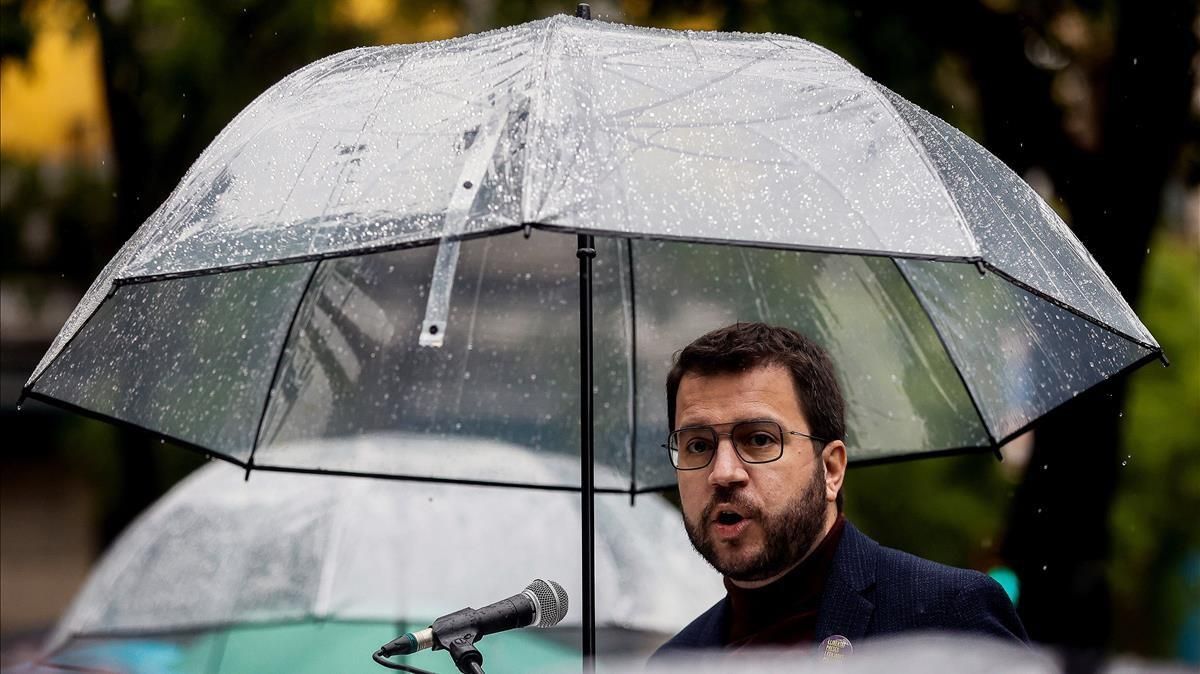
point(757, 429)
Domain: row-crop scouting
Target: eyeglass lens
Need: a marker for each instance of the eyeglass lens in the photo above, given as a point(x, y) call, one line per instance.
point(754, 441)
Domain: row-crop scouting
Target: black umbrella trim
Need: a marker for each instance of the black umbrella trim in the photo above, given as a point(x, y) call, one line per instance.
point(509, 229)
point(262, 416)
point(977, 261)
point(949, 354)
point(1155, 353)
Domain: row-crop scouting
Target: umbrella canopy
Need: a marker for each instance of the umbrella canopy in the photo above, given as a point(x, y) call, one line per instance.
point(287, 556)
point(282, 292)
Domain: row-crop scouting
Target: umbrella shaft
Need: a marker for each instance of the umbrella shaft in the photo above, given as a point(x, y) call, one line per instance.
point(585, 253)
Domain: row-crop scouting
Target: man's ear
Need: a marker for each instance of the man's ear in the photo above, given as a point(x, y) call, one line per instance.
point(834, 459)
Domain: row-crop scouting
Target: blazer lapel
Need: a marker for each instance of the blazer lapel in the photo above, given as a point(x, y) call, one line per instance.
point(845, 608)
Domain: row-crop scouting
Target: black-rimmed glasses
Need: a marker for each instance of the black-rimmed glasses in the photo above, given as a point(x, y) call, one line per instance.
point(758, 441)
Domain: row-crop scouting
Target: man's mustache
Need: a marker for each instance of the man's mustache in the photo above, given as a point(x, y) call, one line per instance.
point(724, 497)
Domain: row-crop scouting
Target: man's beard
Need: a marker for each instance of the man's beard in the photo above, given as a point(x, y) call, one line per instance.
point(787, 536)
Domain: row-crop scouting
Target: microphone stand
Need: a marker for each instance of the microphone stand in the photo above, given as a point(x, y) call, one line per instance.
point(457, 635)
point(466, 657)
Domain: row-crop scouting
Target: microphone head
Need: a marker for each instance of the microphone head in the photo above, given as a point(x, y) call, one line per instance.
point(549, 602)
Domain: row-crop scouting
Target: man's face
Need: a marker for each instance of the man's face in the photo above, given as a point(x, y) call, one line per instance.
point(752, 521)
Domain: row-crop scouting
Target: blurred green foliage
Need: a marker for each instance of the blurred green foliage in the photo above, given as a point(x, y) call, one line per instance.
point(949, 509)
point(1156, 517)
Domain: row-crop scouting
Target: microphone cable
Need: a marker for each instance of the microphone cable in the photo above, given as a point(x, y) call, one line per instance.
point(380, 658)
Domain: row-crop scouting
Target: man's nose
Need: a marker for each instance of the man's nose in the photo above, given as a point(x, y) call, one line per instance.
point(727, 467)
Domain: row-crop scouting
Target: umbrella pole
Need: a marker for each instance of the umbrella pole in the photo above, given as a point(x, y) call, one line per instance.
point(585, 253)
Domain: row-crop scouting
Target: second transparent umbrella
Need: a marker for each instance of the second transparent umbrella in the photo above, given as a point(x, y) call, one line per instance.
point(301, 574)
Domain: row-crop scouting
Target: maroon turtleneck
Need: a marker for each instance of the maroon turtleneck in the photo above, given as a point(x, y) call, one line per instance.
point(783, 613)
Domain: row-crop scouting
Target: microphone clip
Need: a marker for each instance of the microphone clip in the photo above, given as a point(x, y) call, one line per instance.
point(456, 635)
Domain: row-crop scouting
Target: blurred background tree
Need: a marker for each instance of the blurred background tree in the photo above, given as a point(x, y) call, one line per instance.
point(104, 105)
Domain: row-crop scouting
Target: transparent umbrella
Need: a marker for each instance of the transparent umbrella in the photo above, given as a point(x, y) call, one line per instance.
point(296, 573)
point(387, 240)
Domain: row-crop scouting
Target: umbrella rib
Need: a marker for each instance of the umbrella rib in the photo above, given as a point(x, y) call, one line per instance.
point(352, 57)
point(428, 239)
point(210, 453)
point(549, 227)
point(454, 480)
point(292, 190)
point(812, 248)
point(540, 73)
point(123, 423)
point(923, 153)
point(1017, 229)
point(312, 274)
point(637, 110)
point(1067, 307)
point(949, 354)
point(27, 390)
point(1028, 425)
point(633, 391)
point(338, 182)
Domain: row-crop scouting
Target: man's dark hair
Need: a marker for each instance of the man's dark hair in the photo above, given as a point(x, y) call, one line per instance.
point(745, 346)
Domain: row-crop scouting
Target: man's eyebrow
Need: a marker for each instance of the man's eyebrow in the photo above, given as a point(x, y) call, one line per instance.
point(730, 422)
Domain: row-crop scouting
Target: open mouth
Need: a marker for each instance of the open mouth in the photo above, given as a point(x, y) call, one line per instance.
point(728, 517)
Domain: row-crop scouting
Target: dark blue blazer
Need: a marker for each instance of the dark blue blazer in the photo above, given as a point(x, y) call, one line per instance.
point(872, 591)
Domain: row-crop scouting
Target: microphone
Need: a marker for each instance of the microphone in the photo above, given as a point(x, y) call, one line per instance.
point(542, 604)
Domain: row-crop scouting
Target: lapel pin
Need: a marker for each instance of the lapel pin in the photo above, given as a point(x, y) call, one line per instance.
point(835, 647)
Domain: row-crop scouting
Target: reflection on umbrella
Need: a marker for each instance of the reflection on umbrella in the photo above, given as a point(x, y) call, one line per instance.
point(304, 574)
point(377, 244)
